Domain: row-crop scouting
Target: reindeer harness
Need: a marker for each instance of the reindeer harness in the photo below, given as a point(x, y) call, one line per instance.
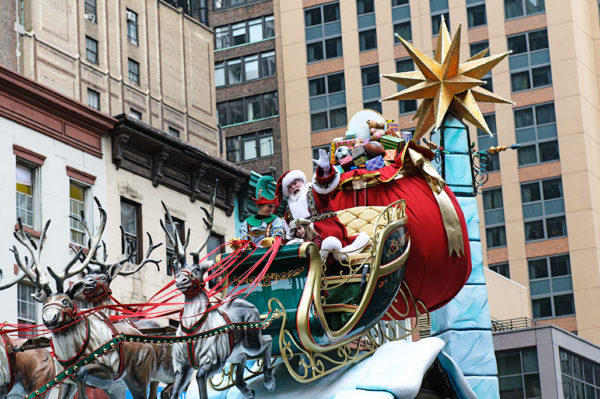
point(100, 293)
point(67, 363)
point(12, 357)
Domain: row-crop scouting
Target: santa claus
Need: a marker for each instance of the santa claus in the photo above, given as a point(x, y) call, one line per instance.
point(311, 201)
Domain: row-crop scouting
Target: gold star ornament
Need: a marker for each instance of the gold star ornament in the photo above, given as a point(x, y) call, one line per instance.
point(445, 85)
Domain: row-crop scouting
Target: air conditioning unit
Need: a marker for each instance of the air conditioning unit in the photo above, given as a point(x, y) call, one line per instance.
point(131, 16)
point(90, 17)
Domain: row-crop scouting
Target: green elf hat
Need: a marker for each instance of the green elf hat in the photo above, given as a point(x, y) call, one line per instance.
point(263, 195)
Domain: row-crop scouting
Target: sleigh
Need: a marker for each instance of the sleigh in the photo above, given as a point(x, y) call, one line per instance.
point(329, 309)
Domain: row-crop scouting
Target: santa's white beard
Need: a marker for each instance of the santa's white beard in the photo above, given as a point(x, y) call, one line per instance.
point(299, 204)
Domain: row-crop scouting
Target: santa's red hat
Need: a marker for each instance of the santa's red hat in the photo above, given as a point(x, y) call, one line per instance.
point(285, 180)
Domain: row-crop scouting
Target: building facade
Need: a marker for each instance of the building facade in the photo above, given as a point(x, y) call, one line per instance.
point(546, 362)
point(249, 83)
point(538, 208)
point(146, 59)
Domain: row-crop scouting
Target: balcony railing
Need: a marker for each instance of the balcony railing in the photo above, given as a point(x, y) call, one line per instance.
point(512, 324)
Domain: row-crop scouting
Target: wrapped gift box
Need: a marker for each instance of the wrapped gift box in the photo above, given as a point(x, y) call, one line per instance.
point(390, 155)
point(348, 143)
point(392, 127)
point(375, 163)
point(391, 142)
point(347, 162)
point(359, 155)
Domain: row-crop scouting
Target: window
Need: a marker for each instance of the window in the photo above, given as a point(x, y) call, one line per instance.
point(521, 8)
point(173, 131)
point(91, 50)
point(248, 109)
point(543, 209)
point(550, 286)
point(249, 147)
point(180, 225)
point(530, 61)
point(501, 268)
point(219, 5)
point(89, 10)
point(323, 32)
point(26, 308)
point(493, 210)
point(476, 13)
point(406, 106)
point(77, 207)
point(367, 32)
point(579, 375)
point(519, 373)
point(370, 88)
point(131, 222)
point(484, 141)
point(134, 71)
point(26, 188)
point(535, 130)
point(251, 31)
point(438, 9)
point(93, 99)
point(135, 114)
point(214, 242)
point(132, 27)
point(401, 20)
point(327, 102)
point(478, 48)
point(245, 69)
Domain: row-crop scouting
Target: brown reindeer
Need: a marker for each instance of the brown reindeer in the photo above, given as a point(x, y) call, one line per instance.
point(209, 355)
point(129, 366)
point(22, 372)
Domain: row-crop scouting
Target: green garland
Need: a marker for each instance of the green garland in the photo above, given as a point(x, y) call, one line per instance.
point(116, 341)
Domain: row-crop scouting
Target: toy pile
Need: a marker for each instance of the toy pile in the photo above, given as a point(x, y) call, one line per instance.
point(374, 147)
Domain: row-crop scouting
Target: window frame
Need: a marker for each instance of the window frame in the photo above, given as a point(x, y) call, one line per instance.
point(367, 24)
point(484, 141)
point(235, 145)
point(536, 127)
point(542, 202)
point(86, 208)
point(226, 105)
point(132, 27)
point(435, 30)
point(530, 67)
point(502, 268)
point(569, 373)
point(135, 114)
point(266, 20)
point(172, 131)
point(28, 300)
point(396, 22)
point(133, 69)
point(374, 100)
point(405, 103)
point(473, 4)
point(327, 96)
point(227, 4)
point(324, 38)
point(91, 54)
point(490, 213)
point(522, 374)
point(34, 172)
point(525, 14)
point(264, 56)
point(139, 235)
point(552, 294)
point(91, 94)
point(89, 8)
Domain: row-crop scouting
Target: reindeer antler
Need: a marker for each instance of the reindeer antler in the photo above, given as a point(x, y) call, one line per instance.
point(146, 259)
point(8, 284)
point(173, 238)
point(94, 241)
point(208, 222)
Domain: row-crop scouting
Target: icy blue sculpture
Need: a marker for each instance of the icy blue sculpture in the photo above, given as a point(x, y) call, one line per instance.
point(464, 323)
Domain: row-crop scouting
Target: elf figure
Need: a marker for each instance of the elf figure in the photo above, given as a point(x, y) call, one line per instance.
point(263, 227)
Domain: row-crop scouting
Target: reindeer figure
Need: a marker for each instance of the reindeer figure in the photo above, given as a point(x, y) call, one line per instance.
point(22, 372)
point(209, 355)
point(99, 275)
point(73, 337)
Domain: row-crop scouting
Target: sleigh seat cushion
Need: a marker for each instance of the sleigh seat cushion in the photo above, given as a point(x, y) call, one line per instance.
point(360, 219)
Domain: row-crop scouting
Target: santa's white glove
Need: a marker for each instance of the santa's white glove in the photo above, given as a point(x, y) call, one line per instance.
point(323, 161)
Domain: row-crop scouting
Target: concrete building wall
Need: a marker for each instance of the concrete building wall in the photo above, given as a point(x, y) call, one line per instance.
point(507, 298)
point(174, 52)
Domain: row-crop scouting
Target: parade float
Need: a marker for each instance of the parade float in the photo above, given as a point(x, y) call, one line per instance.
point(316, 315)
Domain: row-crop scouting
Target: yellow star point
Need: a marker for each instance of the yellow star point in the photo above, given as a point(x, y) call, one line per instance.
point(446, 85)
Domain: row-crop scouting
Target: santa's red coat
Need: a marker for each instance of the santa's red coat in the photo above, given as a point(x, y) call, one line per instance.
point(433, 276)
